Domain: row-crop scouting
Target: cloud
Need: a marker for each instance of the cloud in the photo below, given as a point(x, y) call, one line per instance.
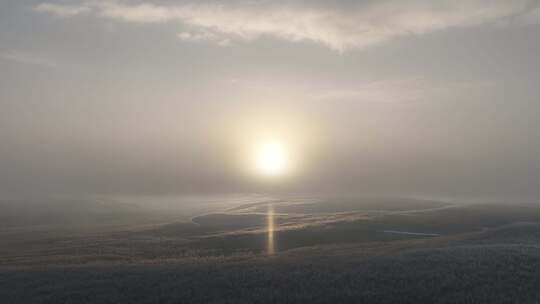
point(387, 91)
point(393, 91)
point(204, 36)
point(339, 25)
point(26, 58)
point(61, 10)
point(141, 13)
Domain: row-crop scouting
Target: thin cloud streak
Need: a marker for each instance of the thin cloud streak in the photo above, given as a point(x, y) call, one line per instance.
point(26, 58)
point(62, 10)
point(339, 25)
point(204, 37)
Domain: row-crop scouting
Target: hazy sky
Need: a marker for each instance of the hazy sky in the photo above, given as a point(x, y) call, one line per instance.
point(169, 97)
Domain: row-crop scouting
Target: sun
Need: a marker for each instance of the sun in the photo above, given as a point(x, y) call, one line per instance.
point(271, 159)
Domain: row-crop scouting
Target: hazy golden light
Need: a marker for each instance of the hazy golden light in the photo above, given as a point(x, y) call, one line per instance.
point(271, 159)
point(271, 249)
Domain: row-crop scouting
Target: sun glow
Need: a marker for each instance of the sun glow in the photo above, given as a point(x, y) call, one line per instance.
point(271, 159)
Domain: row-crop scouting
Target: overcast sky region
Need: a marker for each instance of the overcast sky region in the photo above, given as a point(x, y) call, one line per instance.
point(169, 97)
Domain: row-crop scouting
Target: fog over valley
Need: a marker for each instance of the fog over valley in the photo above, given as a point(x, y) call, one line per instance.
point(253, 151)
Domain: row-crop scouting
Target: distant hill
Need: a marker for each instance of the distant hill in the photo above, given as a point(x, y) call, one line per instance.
point(345, 204)
point(70, 214)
